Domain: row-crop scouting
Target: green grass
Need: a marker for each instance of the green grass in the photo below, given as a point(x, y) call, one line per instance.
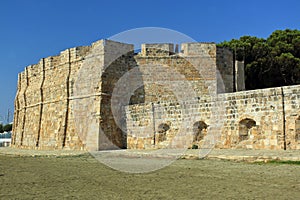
point(289, 162)
point(278, 162)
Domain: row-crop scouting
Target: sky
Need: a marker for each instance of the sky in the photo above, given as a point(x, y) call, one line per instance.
point(34, 29)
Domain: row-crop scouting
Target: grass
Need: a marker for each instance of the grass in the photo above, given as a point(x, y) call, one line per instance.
point(289, 162)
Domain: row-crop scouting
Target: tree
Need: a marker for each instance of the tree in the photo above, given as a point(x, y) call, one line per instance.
point(7, 127)
point(1, 128)
point(270, 62)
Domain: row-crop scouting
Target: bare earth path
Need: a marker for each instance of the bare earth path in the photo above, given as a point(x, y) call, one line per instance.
point(80, 176)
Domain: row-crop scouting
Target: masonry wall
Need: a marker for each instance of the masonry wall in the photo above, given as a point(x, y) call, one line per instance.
point(119, 59)
point(62, 102)
point(275, 112)
point(200, 69)
point(42, 102)
point(76, 100)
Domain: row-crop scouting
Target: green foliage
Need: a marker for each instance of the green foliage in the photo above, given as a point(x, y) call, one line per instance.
point(195, 146)
point(270, 62)
point(7, 127)
point(1, 128)
point(289, 162)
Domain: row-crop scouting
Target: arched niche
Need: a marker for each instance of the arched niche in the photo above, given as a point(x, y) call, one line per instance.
point(199, 130)
point(245, 126)
point(162, 132)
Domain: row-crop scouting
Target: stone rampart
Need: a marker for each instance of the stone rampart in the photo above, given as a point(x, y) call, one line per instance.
point(257, 119)
point(79, 99)
point(49, 103)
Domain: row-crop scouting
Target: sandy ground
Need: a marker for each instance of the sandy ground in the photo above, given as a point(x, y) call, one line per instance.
point(83, 177)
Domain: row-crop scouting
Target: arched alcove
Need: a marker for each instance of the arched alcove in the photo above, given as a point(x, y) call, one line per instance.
point(162, 132)
point(245, 126)
point(199, 130)
point(138, 96)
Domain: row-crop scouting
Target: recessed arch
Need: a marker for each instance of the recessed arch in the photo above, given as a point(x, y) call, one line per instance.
point(162, 132)
point(245, 126)
point(199, 130)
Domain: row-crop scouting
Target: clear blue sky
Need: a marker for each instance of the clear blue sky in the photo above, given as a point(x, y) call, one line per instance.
point(33, 29)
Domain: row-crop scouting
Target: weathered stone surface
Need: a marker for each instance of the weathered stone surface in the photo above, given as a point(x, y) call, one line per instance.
point(81, 97)
point(267, 108)
point(47, 109)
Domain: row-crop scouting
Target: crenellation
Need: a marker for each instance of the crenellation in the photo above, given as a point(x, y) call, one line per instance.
point(157, 50)
point(199, 49)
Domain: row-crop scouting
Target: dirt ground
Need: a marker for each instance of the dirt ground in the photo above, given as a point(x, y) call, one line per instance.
point(83, 177)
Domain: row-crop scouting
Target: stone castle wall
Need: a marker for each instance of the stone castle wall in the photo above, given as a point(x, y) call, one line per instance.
point(257, 119)
point(49, 104)
point(42, 102)
point(79, 100)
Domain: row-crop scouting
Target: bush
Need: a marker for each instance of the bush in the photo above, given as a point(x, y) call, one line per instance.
point(7, 127)
point(1, 128)
point(195, 146)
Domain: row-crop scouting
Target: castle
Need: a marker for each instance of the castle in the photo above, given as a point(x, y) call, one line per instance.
point(106, 96)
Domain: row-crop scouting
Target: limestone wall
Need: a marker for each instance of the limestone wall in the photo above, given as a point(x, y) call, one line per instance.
point(258, 119)
point(78, 99)
point(53, 96)
point(168, 76)
point(42, 102)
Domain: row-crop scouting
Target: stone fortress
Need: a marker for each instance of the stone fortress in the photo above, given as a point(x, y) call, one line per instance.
point(105, 96)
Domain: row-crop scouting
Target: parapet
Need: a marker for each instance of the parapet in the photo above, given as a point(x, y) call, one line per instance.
point(112, 47)
point(202, 49)
point(196, 49)
point(158, 49)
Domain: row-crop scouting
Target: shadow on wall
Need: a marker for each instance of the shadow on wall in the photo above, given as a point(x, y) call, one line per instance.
point(114, 124)
point(162, 133)
point(200, 131)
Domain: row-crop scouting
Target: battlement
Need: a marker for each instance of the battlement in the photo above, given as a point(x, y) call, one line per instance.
point(196, 49)
point(158, 49)
point(187, 49)
point(112, 47)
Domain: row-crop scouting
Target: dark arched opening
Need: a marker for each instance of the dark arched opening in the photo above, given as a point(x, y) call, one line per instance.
point(199, 130)
point(162, 132)
point(245, 126)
